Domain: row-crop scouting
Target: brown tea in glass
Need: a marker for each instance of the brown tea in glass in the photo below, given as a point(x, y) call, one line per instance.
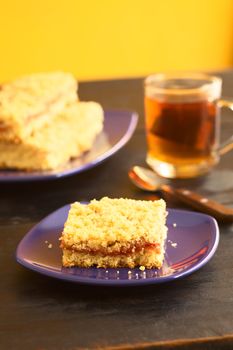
point(182, 124)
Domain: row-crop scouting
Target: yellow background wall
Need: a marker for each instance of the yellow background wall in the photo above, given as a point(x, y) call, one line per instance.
point(98, 39)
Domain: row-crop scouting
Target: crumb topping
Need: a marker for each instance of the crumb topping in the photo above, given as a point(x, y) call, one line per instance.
point(111, 223)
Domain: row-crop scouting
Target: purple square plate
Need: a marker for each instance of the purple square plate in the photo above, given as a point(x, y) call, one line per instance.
point(118, 128)
point(191, 242)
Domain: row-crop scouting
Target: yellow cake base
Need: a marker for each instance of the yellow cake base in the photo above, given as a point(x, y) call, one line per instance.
point(145, 258)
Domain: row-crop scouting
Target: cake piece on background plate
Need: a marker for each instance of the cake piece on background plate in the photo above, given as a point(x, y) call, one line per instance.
point(72, 132)
point(30, 102)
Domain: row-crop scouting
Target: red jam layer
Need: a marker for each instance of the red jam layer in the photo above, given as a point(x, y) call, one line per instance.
point(137, 247)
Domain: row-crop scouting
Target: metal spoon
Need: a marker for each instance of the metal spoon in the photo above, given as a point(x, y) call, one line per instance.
point(147, 180)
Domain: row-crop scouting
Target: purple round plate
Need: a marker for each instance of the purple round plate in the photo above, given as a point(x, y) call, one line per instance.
point(118, 128)
point(192, 241)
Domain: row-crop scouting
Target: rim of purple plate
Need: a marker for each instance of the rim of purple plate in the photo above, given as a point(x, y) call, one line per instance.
point(28, 177)
point(121, 283)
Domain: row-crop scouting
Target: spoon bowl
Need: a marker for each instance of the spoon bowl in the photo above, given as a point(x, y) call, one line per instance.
point(146, 179)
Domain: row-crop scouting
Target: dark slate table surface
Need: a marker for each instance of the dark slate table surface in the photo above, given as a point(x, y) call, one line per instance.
point(37, 312)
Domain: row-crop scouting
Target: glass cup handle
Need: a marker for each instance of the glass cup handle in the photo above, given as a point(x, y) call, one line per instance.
point(226, 146)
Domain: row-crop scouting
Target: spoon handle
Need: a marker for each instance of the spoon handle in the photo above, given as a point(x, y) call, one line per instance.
point(200, 203)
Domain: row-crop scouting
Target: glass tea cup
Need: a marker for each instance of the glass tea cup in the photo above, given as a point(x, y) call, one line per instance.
point(183, 123)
